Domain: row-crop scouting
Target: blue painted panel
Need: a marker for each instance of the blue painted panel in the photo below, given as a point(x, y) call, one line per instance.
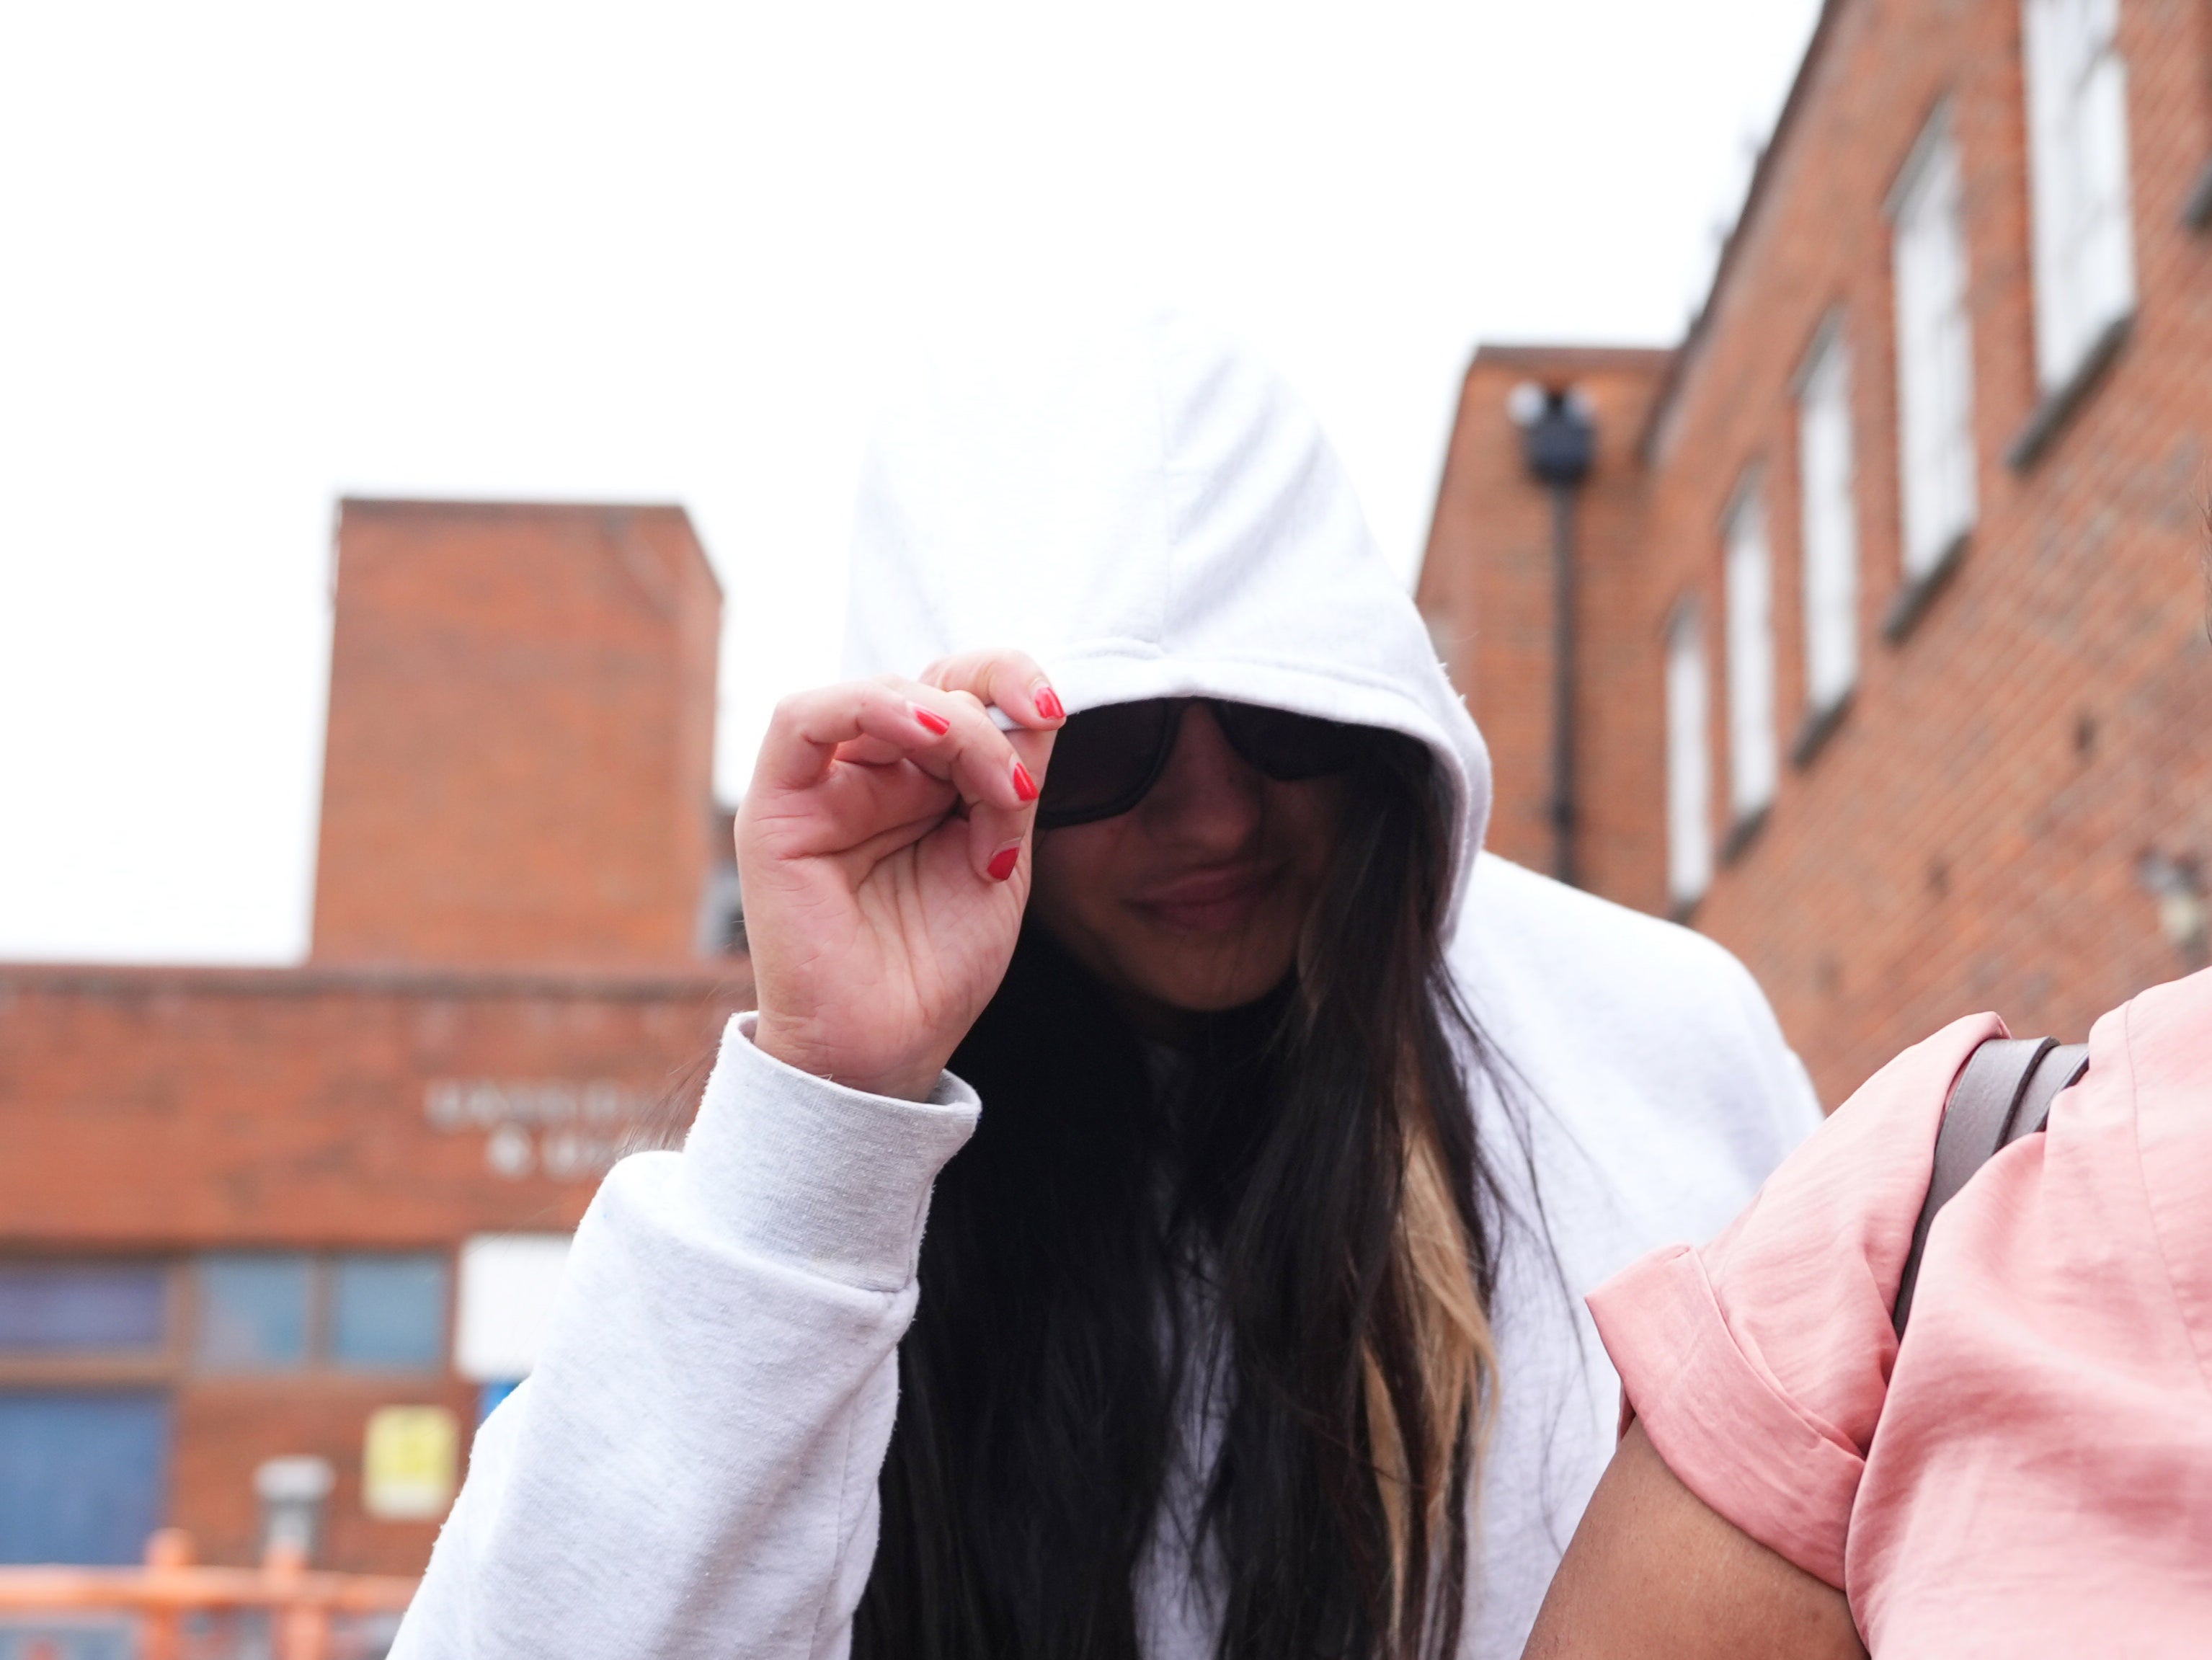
point(83, 1476)
point(489, 1397)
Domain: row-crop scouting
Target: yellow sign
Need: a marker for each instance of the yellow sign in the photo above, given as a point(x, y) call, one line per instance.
point(408, 1465)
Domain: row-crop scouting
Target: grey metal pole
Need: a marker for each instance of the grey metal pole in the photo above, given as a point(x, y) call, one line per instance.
point(1559, 442)
point(1563, 683)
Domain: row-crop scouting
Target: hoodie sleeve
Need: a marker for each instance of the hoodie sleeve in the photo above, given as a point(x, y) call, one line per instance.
point(1783, 1107)
point(691, 1469)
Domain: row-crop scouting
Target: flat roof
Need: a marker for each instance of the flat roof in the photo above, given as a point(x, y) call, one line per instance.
point(315, 980)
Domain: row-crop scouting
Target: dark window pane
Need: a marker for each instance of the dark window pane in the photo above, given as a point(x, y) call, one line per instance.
point(390, 1311)
point(253, 1312)
point(62, 1307)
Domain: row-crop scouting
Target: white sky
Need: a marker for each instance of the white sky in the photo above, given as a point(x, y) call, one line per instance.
point(253, 257)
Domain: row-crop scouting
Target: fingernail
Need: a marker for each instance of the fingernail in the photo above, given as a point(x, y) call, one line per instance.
point(1003, 862)
point(1047, 703)
point(1024, 786)
point(930, 720)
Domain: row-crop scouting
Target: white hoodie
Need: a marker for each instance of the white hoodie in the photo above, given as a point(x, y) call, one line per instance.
point(691, 1470)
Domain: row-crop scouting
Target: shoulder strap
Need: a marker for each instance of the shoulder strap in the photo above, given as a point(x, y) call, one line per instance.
point(2004, 1092)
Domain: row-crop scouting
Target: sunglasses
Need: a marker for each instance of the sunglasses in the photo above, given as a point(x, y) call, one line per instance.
point(1106, 759)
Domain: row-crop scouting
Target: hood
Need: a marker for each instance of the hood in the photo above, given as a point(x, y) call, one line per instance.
point(1150, 512)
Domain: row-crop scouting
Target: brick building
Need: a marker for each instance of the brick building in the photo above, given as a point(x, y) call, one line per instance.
point(1883, 655)
point(312, 1213)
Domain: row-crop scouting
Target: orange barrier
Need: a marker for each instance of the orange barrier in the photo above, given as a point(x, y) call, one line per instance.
point(301, 1604)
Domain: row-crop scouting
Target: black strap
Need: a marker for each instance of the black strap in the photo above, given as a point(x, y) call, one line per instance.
point(2004, 1092)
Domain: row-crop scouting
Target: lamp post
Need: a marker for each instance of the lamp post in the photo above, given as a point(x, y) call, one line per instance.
point(1558, 441)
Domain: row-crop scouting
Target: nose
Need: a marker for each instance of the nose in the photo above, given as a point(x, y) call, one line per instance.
point(1209, 801)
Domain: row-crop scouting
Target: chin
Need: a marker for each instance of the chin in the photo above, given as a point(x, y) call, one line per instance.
point(1209, 1000)
point(1230, 987)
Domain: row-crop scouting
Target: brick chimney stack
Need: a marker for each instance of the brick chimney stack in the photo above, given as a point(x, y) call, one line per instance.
point(519, 767)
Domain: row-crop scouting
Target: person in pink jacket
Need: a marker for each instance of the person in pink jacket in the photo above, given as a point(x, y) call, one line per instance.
point(2027, 1473)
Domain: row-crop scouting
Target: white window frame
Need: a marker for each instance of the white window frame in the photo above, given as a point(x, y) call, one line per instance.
point(2079, 196)
point(1755, 752)
point(1935, 352)
point(1689, 759)
point(1827, 483)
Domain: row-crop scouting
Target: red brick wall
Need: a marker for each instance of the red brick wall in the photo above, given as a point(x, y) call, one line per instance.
point(1970, 835)
point(159, 1112)
point(225, 1428)
point(1487, 590)
point(178, 1107)
point(520, 762)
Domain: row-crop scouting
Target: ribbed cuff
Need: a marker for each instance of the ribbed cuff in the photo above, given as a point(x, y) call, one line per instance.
point(1721, 1425)
point(812, 1173)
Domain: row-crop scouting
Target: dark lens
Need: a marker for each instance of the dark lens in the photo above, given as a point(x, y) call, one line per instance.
point(1286, 746)
point(1104, 760)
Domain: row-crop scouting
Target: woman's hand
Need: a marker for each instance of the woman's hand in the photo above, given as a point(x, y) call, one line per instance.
point(883, 850)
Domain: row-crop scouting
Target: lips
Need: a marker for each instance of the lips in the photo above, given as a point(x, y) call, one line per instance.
point(1211, 900)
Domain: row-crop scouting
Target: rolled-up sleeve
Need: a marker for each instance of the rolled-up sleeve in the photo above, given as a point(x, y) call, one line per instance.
point(1758, 1364)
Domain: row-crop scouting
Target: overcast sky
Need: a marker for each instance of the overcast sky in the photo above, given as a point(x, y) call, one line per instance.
point(260, 255)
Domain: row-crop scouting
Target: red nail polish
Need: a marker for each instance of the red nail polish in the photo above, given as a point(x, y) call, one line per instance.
point(1048, 704)
point(930, 719)
point(1003, 862)
point(1024, 786)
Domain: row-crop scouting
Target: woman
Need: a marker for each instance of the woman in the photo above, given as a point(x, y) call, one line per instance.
point(1250, 1326)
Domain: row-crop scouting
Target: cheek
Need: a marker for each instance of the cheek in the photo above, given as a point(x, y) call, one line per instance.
point(1307, 818)
point(1073, 873)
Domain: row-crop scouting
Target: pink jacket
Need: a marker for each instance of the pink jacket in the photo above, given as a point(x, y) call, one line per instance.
point(2031, 1472)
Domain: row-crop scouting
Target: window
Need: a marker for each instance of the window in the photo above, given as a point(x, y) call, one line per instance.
point(1830, 529)
point(82, 1308)
point(108, 1322)
point(1935, 353)
point(1752, 761)
point(1689, 761)
point(2077, 125)
point(388, 1311)
point(253, 1312)
point(360, 1310)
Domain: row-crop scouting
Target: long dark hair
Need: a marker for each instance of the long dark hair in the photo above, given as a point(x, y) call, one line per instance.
point(1293, 1233)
